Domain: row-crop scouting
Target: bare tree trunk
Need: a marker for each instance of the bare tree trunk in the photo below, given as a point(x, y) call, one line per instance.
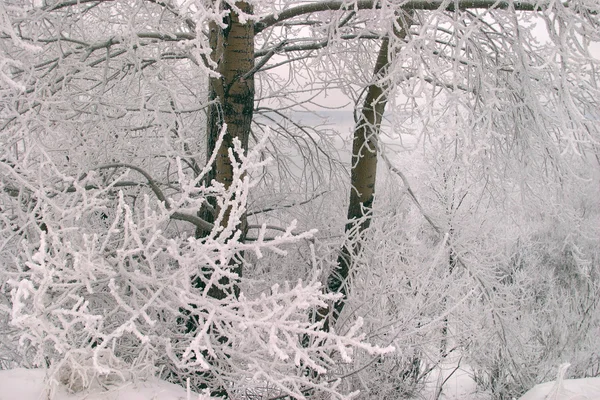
point(362, 178)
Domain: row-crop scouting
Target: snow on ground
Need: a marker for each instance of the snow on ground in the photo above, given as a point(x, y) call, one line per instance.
point(570, 389)
point(565, 389)
point(457, 384)
point(28, 384)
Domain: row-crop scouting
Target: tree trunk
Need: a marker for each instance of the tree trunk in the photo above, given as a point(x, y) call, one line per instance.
point(362, 178)
point(232, 97)
point(232, 103)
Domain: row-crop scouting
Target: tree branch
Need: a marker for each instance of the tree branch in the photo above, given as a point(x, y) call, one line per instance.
point(267, 56)
point(314, 45)
point(70, 3)
point(411, 193)
point(151, 182)
point(264, 210)
point(333, 5)
point(271, 227)
point(193, 219)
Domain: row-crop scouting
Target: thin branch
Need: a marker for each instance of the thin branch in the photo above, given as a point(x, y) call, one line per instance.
point(188, 21)
point(193, 219)
point(316, 45)
point(264, 210)
point(73, 189)
point(271, 227)
point(288, 60)
point(270, 53)
point(297, 125)
point(70, 3)
point(151, 182)
point(440, 389)
point(167, 36)
point(411, 193)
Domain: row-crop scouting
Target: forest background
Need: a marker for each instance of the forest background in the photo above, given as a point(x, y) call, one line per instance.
point(175, 202)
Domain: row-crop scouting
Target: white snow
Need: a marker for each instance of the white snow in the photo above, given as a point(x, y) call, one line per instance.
point(569, 389)
point(456, 381)
point(565, 389)
point(29, 384)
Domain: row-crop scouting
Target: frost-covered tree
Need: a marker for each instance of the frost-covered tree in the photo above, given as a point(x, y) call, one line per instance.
point(136, 199)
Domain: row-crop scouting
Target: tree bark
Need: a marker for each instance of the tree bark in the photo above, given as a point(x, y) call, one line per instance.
point(232, 103)
point(231, 97)
point(362, 178)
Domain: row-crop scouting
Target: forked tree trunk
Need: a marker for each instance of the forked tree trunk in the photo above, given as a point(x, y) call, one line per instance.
point(362, 178)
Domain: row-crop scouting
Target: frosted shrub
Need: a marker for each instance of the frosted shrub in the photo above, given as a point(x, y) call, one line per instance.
point(101, 284)
point(547, 300)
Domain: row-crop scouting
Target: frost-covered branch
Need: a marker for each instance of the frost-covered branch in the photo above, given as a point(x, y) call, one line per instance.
point(304, 9)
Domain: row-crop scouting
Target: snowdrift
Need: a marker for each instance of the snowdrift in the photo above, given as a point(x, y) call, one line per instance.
point(565, 389)
point(570, 389)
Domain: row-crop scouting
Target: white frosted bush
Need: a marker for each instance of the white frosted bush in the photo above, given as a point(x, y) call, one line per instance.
point(102, 286)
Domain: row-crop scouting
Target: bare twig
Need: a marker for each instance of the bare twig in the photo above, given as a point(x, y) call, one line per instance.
point(273, 208)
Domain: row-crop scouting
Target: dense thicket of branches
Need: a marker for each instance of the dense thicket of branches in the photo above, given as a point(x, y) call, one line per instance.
point(173, 203)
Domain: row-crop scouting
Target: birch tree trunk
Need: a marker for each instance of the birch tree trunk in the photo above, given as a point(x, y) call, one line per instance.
point(232, 103)
point(363, 176)
point(231, 96)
